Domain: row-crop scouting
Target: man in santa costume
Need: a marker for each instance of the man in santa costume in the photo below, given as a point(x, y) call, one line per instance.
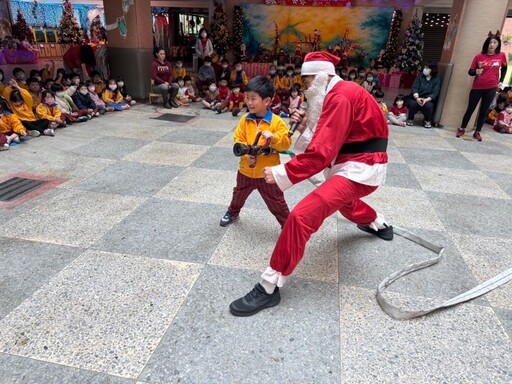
point(344, 134)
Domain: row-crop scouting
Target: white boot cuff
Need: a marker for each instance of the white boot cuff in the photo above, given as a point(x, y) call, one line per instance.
point(273, 277)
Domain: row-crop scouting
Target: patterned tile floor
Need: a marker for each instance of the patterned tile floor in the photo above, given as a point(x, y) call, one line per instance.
point(121, 274)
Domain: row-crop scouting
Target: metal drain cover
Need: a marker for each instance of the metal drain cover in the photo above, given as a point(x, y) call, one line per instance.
point(174, 118)
point(15, 187)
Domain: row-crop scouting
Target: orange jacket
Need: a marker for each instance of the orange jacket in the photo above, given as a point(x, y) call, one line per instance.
point(9, 123)
point(43, 111)
point(108, 96)
point(24, 112)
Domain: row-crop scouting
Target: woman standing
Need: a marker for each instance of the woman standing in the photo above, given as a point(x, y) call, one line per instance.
point(161, 75)
point(489, 68)
point(204, 47)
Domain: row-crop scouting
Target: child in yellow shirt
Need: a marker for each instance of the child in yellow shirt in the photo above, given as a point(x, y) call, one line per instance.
point(113, 97)
point(10, 125)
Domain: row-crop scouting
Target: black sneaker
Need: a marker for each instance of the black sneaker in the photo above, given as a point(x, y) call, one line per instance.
point(255, 301)
point(384, 234)
point(227, 219)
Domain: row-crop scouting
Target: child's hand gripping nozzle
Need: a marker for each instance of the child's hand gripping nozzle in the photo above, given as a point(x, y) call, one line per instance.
point(253, 151)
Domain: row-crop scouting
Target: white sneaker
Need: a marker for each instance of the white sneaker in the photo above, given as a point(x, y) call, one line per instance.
point(49, 132)
point(133, 102)
point(34, 133)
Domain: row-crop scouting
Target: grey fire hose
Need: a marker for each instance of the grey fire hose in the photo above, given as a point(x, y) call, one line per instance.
point(404, 314)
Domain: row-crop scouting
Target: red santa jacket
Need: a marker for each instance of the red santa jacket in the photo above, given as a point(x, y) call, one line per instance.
point(349, 115)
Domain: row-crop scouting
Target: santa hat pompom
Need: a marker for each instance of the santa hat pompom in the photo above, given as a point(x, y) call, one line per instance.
point(319, 61)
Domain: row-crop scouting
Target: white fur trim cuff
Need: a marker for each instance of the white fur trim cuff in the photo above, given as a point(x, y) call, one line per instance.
point(315, 67)
point(273, 277)
point(281, 178)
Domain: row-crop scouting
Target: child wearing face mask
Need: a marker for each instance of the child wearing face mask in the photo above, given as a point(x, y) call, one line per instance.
point(224, 94)
point(190, 92)
point(83, 100)
point(100, 104)
point(361, 76)
point(352, 74)
point(205, 75)
point(113, 97)
point(504, 120)
point(272, 75)
point(122, 88)
point(369, 83)
point(179, 70)
point(48, 110)
point(181, 97)
point(238, 76)
point(67, 107)
point(398, 113)
point(211, 98)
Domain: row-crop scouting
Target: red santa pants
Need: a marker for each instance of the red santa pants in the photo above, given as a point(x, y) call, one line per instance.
point(335, 194)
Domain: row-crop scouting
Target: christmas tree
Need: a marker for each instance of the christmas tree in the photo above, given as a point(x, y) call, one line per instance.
point(238, 27)
point(97, 31)
point(219, 30)
point(411, 54)
point(21, 30)
point(389, 55)
point(69, 30)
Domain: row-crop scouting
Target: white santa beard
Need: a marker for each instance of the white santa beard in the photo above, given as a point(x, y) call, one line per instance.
point(315, 95)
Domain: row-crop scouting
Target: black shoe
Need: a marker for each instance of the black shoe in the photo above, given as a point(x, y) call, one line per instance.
point(255, 301)
point(384, 234)
point(235, 112)
point(167, 105)
point(227, 219)
point(174, 104)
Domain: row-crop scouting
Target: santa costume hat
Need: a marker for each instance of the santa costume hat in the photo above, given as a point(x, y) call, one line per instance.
point(319, 61)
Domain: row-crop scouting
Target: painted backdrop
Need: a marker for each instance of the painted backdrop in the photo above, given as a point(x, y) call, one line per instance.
point(366, 27)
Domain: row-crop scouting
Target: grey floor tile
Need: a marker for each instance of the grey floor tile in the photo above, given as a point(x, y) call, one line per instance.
point(63, 219)
point(295, 342)
point(465, 344)
point(490, 162)
point(504, 180)
point(21, 370)
point(109, 147)
point(218, 158)
point(436, 158)
point(213, 122)
point(394, 155)
point(481, 216)
point(505, 316)
point(172, 229)
point(366, 260)
point(105, 312)
point(165, 153)
point(25, 266)
point(400, 175)
point(457, 181)
point(8, 214)
point(431, 141)
point(130, 178)
point(193, 136)
point(133, 129)
point(485, 146)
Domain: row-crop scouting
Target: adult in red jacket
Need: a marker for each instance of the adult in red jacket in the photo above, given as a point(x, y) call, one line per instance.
point(345, 134)
point(80, 59)
point(163, 82)
point(489, 68)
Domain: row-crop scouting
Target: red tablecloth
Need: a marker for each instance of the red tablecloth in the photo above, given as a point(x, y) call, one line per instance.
point(394, 80)
point(256, 69)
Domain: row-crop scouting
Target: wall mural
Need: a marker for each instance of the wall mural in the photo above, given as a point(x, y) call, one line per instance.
point(361, 31)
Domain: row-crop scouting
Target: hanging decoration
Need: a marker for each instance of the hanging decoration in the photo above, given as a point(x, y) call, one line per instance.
point(34, 9)
point(120, 22)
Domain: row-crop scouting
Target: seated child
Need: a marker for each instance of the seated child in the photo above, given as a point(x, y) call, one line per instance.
point(10, 125)
point(294, 102)
point(398, 113)
point(275, 104)
point(191, 92)
point(20, 103)
point(504, 121)
point(224, 94)
point(272, 75)
point(178, 71)
point(224, 71)
point(98, 82)
point(205, 75)
point(68, 108)
point(100, 104)
point(236, 100)
point(250, 174)
point(34, 88)
point(211, 99)
point(181, 97)
point(122, 88)
point(83, 100)
point(239, 76)
point(48, 110)
point(113, 98)
point(379, 98)
point(492, 115)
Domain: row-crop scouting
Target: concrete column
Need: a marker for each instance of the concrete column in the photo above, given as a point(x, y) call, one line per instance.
point(470, 23)
point(131, 57)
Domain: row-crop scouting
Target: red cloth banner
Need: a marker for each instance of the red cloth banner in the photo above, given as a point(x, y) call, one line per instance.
point(310, 3)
